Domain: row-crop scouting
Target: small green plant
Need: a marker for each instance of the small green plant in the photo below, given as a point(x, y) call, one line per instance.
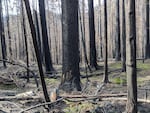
point(119, 80)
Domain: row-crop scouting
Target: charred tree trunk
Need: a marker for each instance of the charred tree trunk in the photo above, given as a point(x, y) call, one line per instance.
point(147, 46)
point(83, 40)
point(100, 31)
point(47, 54)
point(117, 38)
point(70, 34)
point(25, 39)
point(8, 29)
point(37, 52)
point(131, 61)
point(93, 58)
point(2, 35)
point(123, 38)
point(105, 79)
point(36, 24)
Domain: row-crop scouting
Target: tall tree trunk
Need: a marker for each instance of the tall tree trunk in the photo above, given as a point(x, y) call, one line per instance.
point(82, 28)
point(147, 46)
point(25, 38)
point(37, 52)
point(36, 24)
point(131, 61)
point(8, 29)
point(55, 36)
point(70, 34)
point(105, 79)
point(117, 38)
point(123, 37)
point(100, 31)
point(2, 35)
point(47, 54)
point(93, 59)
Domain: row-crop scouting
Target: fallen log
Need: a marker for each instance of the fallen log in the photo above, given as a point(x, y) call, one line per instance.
point(125, 99)
point(14, 98)
point(93, 96)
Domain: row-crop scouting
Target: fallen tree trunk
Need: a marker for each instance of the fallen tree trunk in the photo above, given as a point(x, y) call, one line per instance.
point(94, 96)
point(14, 98)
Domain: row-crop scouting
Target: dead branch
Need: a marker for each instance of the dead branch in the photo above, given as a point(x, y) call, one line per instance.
point(94, 96)
point(14, 98)
point(42, 104)
point(125, 99)
point(13, 63)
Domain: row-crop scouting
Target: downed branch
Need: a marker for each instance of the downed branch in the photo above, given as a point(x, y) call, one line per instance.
point(13, 63)
point(125, 99)
point(94, 96)
point(42, 104)
point(14, 98)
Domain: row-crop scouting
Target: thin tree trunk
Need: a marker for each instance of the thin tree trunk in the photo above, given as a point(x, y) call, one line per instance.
point(147, 47)
point(117, 39)
point(123, 38)
point(37, 52)
point(83, 41)
point(2, 35)
point(8, 29)
point(93, 57)
point(36, 23)
point(25, 38)
point(105, 79)
point(47, 54)
point(131, 61)
point(100, 31)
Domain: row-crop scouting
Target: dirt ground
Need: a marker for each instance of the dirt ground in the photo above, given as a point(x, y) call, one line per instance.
point(13, 86)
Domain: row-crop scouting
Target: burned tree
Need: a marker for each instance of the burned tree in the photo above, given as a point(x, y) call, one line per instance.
point(105, 78)
point(70, 46)
point(131, 61)
point(93, 59)
point(46, 50)
point(2, 35)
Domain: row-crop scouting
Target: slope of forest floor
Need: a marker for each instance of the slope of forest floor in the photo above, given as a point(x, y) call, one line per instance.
point(16, 95)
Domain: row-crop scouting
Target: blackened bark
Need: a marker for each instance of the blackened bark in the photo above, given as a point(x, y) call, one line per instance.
point(147, 46)
point(93, 59)
point(123, 37)
point(100, 31)
point(105, 79)
point(8, 29)
point(83, 41)
point(25, 39)
point(47, 54)
point(70, 46)
point(131, 61)
point(37, 52)
point(36, 23)
point(117, 38)
point(2, 35)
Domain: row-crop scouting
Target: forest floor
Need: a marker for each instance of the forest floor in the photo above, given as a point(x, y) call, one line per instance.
point(16, 95)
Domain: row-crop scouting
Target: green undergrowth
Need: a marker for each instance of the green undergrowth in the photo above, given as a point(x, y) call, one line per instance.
point(118, 80)
point(116, 65)
point(51, 81)
point(78, 107)
point(143, 66)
